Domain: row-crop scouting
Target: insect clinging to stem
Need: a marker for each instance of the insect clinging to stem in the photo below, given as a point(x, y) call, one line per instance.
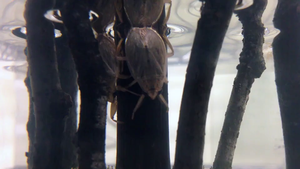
point(145, 49)
point(105, 11)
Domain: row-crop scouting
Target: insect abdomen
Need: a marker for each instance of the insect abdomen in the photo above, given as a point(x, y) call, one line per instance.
point(146, 59)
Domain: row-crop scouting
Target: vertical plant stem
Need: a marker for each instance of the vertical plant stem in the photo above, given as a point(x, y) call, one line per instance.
point(51, 104)
point(210, 33)
point(68, 80)
point(251, 66)
point(93, 79)
point(287, 72)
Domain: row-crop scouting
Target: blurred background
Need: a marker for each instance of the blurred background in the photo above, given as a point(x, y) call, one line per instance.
point(260, 143)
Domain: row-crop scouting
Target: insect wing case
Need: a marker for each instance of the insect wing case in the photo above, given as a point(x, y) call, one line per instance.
point(146, 59)
point(107, 51)
point(143, 13)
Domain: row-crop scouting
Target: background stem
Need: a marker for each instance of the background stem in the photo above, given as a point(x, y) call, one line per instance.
point(287, 72)
point(210, 33)
point(251, 66)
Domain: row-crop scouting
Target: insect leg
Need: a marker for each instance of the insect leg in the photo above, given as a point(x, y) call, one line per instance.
point(138, 105)
point(120, 58)
point(118, 7)
point(169, 11)
point(166, 40)
point(168, 43)
point(162, 99)
point(239, 3)
point(124, 89)
point(166, 80)
point(111, 98)
point(113, 111)
point(119, 46)
point(120, 42)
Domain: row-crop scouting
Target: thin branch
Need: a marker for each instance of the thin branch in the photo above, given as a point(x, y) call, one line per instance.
point(251, 66)
point(210, 33)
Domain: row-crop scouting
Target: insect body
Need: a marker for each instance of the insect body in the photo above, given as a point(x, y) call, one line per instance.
point(143, 13)
point(145, 53)
point(145, 50)
point(107, 48)
point(147, 61)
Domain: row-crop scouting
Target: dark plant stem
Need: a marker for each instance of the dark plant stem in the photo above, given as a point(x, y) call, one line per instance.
point(210, 33)
point(51, 104)
point(251, 66)
point(68, 80)
point(93, 77)
point(287, 72)
point(142, 143)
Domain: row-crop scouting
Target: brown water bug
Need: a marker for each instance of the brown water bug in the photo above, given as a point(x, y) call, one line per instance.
point(107, 50)
point(105, 15)
point(145, 50)
point(145, 13)
point(147, 62)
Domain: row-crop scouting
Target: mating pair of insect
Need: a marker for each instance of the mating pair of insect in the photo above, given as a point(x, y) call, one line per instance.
point(145, 50)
